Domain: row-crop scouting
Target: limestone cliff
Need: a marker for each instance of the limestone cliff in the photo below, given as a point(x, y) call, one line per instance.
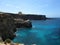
point(8, 25)
point(28, 16)
point(20, 23)
point(9, 22)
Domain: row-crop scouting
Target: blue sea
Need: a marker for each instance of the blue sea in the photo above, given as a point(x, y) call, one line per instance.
point(43, 32)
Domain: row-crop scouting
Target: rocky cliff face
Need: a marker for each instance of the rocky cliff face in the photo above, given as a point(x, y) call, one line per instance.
point(23, 23)
point(28, 16)
point(31, 16)
point(8, 26)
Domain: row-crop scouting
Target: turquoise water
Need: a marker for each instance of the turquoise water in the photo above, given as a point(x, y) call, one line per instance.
point(43, 32)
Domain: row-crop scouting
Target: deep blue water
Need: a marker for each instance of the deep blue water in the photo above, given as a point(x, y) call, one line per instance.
point(43, 32)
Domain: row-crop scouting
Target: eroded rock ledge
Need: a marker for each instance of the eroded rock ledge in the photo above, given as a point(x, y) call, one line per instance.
point(20, 23)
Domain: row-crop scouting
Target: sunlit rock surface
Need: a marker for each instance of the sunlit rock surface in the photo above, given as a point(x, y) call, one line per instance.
point(20, 23)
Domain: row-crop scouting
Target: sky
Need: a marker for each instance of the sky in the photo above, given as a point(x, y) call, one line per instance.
point(50, 8)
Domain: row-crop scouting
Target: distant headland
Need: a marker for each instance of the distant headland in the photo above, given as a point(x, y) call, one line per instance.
point(27, 16)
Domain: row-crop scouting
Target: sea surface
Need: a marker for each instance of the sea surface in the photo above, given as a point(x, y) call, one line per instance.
point(43, 32)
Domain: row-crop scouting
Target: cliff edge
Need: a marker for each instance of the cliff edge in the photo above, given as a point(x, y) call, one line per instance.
point(8, 25)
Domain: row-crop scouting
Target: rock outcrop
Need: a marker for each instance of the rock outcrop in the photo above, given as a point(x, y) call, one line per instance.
point(31, 16)
point(9, 22)
point(20, 23)
point(8, 25)
point(28, 16)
